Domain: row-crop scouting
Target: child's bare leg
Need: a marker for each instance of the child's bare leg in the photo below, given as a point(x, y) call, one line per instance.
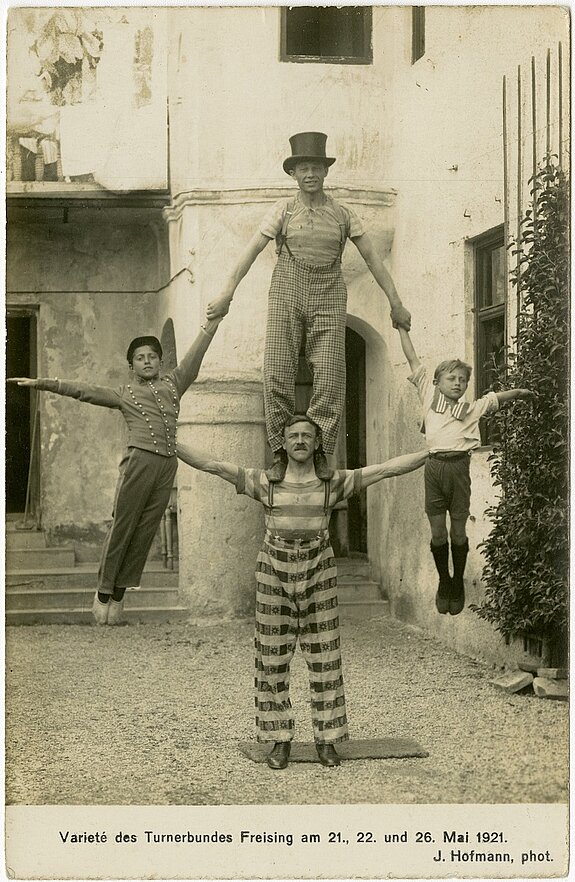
point(440, 552)
point(457, 530)
point(438, 524)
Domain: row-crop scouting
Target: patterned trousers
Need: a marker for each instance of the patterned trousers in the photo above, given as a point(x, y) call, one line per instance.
point(310, 300)
point(142, 495)
point(297, 597)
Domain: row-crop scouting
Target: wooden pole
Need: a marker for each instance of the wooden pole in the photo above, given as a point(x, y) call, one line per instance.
point(519, 199)
point(505, 192)
point(560, 111)
point(534, 134)
point(548, 103)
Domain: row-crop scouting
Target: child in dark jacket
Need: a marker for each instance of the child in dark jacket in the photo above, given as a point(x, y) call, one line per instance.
point(150, 404)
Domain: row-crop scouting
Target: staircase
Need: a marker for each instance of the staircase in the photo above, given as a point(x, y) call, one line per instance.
point(359, 596)
point(48, 586)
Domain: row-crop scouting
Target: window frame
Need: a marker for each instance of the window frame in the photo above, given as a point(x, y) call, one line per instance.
point(483, 246)
point(365, 58)
point(417, 33)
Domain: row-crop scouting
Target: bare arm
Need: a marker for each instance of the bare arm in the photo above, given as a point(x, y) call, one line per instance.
point(399, 465)
point(221, 304)
point(225, 470)
point(399, 315)
point(408, 350)
point(513, 394)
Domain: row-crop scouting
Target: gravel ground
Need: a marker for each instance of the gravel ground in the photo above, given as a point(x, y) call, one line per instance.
point(151, 715)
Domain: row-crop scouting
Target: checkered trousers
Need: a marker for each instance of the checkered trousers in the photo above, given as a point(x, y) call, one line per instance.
point(305, 300)
point(297, 597)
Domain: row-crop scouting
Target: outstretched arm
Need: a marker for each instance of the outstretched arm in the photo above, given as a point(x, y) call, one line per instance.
point(408, 350)
point(513, 394)
point(23, 381)
point(226, 470)
point(221, 304)
point(399, 465)
point(399, 315)
point(102, 396)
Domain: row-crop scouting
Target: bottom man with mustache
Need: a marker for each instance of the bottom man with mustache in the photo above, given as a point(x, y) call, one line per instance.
point(296, 584)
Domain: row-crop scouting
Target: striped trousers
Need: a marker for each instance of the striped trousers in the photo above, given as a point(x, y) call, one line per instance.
point(297, 598)
point(305, 300)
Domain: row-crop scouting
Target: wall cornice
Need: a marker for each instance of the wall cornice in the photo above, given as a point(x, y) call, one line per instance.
point(263, 195)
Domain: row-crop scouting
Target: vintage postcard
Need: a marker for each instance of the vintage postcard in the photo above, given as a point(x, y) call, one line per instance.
point(287, 436)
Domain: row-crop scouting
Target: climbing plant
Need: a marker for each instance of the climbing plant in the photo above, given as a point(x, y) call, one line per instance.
point(527, 551)
point(67, 41)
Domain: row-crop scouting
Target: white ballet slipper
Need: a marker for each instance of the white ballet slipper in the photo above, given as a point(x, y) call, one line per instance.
point(115, 611)
point(100, 610)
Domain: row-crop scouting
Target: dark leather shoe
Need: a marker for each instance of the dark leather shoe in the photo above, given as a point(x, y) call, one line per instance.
point(277, 470)
point(327, 755)
point(457, 597)
point(279, 755)
point(322, 469)
point(443, 596)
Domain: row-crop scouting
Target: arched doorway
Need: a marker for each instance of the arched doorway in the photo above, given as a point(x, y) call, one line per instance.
point(348, 527)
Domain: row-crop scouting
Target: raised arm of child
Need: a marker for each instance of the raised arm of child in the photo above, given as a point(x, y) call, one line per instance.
point(408, 350)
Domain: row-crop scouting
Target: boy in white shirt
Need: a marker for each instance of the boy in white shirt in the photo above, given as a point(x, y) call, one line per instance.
point(451, 428)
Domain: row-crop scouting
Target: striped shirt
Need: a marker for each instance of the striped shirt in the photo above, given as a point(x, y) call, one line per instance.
point(442, 430)
point(297, 511)
point(313, 234)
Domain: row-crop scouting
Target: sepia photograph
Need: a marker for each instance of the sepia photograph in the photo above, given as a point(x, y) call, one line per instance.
point(287, 365)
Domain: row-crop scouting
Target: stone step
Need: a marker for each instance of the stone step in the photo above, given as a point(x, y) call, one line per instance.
point(357, 590)
point(24, 538)
point(361, 610)
point(39, 558)
point(80, 599)
point(83, 616)
point(353, 567)
point(82, 576)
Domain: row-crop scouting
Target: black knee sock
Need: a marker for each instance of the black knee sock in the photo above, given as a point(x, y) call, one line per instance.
point(103, 598)
point(118, 594)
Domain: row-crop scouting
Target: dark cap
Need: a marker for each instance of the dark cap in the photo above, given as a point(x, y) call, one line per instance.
point(153, 342)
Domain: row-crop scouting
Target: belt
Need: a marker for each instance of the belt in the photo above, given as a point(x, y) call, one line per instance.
point(449, 455)
point(295, 543)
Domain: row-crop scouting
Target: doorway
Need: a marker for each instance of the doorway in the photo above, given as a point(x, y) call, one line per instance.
point(22, 435)
point(348, 526)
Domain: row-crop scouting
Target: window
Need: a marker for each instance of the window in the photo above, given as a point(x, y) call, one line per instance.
point(326, 34)
point(417, 32)
point(490, 308)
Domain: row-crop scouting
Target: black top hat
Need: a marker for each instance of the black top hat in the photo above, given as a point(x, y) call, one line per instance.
point(152, 342)
point(307, 145)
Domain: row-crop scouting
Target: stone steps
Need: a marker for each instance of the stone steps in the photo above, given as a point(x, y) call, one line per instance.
point(63, 592)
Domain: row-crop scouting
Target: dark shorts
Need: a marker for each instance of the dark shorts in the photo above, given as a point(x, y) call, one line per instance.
point(447, 487)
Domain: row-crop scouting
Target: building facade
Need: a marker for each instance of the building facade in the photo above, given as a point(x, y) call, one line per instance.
point(143, 154)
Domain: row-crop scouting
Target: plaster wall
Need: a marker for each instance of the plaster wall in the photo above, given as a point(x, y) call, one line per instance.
point(90, 281)
point(447, 166)
point(233, 104)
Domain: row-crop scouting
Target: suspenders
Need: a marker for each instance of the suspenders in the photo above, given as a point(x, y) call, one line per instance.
point(281, 238)
point(326, 497)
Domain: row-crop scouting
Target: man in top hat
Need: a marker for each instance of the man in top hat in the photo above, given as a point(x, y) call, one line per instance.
point(149, 403)
point(307, 298)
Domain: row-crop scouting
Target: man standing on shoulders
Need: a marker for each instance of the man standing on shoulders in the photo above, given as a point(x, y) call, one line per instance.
point(296, 584)
point(307, 298)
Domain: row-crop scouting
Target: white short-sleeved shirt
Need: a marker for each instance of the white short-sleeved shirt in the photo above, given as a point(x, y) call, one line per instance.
point(442, 430)
point(313, 234)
